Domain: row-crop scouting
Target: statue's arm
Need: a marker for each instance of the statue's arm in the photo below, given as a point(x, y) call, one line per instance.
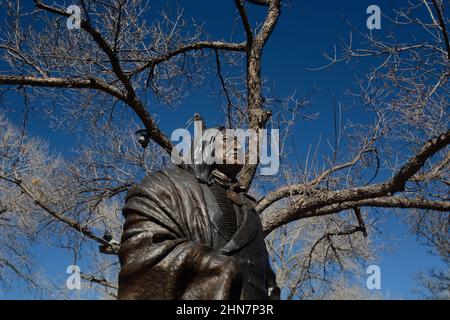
point(156, 265)
point(160, 261)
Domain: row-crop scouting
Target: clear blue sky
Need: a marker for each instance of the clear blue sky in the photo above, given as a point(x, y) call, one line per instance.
point(305, 30)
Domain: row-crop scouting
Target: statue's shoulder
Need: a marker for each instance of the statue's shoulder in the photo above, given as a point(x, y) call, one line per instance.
point(175, 175)
point(166, 181)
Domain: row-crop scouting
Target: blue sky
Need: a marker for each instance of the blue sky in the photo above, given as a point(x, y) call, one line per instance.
point(305, 30)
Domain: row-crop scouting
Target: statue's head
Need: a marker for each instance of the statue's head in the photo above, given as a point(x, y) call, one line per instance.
point(227, 150)
point(215, 150)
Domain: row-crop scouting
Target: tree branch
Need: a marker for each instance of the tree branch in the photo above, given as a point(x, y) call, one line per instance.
point(442, 26)
point(102, 282)
point(324, 199)
point(132, 100)
point(245, 22)
point(218, 45)
point(292, 190)
point(60, 217)
point(69, 83)
point(260, 2)
point(257, 116)
point(224, 88)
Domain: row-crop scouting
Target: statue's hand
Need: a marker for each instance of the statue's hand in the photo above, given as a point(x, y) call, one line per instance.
point(228, 274)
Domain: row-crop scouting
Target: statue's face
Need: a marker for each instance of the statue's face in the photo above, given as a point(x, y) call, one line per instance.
point(228, 149)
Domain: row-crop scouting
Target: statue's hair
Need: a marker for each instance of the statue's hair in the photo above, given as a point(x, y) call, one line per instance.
point(202, 171)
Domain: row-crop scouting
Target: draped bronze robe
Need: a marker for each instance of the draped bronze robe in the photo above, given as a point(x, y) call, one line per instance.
point(171, 247)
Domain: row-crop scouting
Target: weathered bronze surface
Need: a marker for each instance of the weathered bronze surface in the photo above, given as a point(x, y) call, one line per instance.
point(189, 234)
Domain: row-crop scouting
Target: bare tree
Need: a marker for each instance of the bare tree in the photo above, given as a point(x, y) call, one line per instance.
point(432, 230)
point(118, 65)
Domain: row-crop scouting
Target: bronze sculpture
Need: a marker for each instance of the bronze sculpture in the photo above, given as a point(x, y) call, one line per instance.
point(193, 233)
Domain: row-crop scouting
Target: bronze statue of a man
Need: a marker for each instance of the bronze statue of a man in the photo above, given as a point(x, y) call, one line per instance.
point(193, 233)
